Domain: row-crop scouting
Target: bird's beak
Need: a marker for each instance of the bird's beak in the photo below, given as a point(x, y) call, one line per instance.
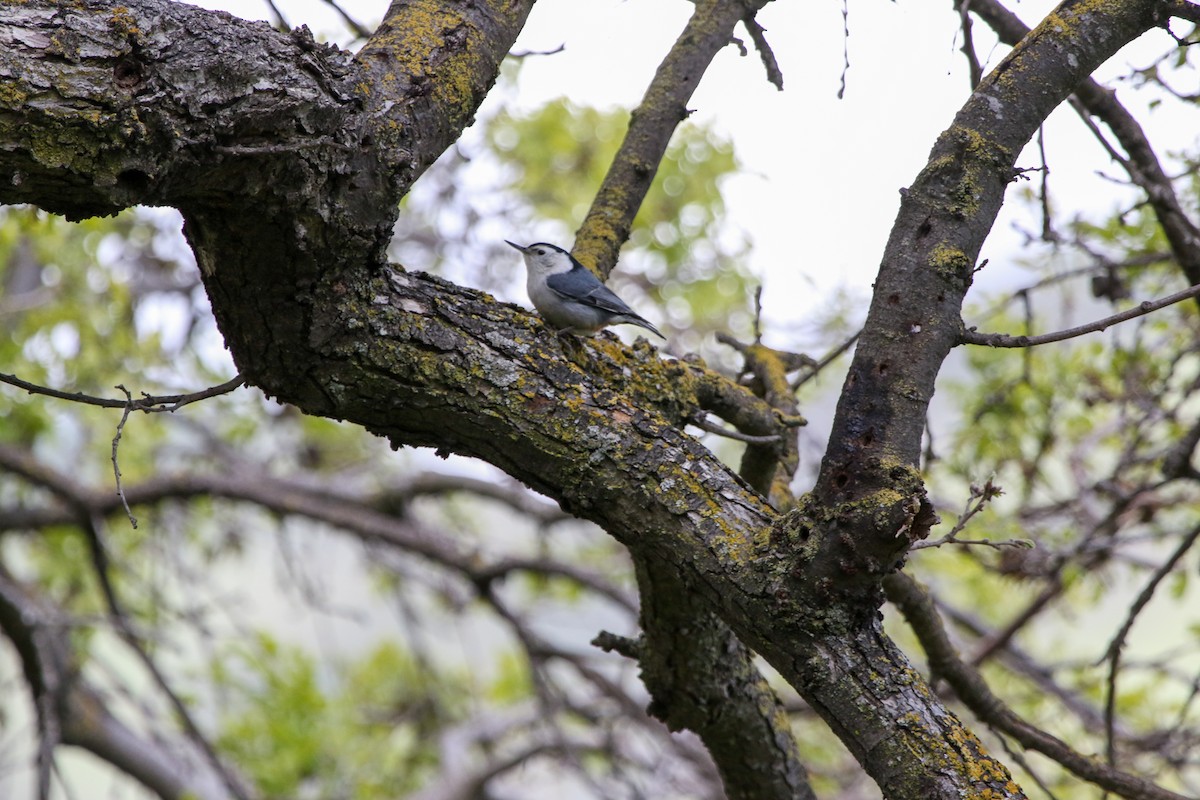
point(522, 248)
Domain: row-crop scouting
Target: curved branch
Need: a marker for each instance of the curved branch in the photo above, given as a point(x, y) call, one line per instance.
point(928, 265)
point(147, 402)
point(703, 679)
point(1113, 652)
point(355, 515)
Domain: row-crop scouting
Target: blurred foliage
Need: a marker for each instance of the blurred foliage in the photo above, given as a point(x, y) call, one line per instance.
point(365, 729)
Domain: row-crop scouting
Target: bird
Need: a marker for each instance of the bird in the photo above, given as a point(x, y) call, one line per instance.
point(569, 296)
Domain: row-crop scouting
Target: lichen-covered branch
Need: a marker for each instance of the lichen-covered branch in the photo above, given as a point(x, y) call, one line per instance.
point(1141, 163)
point(927, 267)
point(287, 160)
point(663, 107)
point(702, 678)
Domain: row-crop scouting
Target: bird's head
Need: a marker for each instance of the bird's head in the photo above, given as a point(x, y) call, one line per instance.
point(545, 258)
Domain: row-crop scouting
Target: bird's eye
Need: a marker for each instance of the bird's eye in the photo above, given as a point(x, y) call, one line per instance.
point(540, 251)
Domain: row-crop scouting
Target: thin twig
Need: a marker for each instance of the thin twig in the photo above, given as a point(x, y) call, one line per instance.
point(971, 336)
point(280, 23)
point(974, 68)
point(980, 496)
point(147, 403)
point(359, 29)
point(758, 36)
point(518, 54)
point(92, 526)
point(116, 443)
point(701, 421)
point(1113, 654)
point(841, 93)
point(826, 361)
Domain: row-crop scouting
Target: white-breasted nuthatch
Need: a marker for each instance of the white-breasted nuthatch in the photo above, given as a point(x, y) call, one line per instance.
point(569, 296)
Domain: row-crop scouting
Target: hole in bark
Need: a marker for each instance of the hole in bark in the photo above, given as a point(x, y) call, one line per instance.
point(127, 73)
point(840, 480)
point(134, 179)
point(868, 438)
point(883, 368)
point(893, 299)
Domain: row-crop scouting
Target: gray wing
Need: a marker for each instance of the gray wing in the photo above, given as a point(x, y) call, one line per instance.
point(583, 287)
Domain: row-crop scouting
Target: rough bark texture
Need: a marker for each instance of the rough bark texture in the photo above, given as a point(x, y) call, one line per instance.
point(287, 159)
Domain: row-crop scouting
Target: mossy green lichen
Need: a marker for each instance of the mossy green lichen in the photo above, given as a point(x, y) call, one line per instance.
point(12, 96)
point(951, 263)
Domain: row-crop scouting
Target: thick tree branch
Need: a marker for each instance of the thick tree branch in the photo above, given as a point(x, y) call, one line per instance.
point(287, 206)
point(703, 678)
point(927, 267)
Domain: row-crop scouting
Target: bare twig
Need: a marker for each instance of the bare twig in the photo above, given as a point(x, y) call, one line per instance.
point(147, 403)
point(841, 92)
point(359, 29)
point(826, 361)
point(971, 336)
point(116, 442)
point(93, 526)
point(280, 23)
point(530, 53)
point(1113, 654)
point(758, 36)
point(975, 69)
point(979, 497)
point(701, 421)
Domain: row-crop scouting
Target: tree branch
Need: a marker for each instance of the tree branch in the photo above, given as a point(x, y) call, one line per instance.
point(1113, 653)
point(918, 609)
point(608, 222)
point(928, 265)
point(289, 245)
point(1142, 164)
point(970, 336)
point(703, 679)
point(147, 402)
